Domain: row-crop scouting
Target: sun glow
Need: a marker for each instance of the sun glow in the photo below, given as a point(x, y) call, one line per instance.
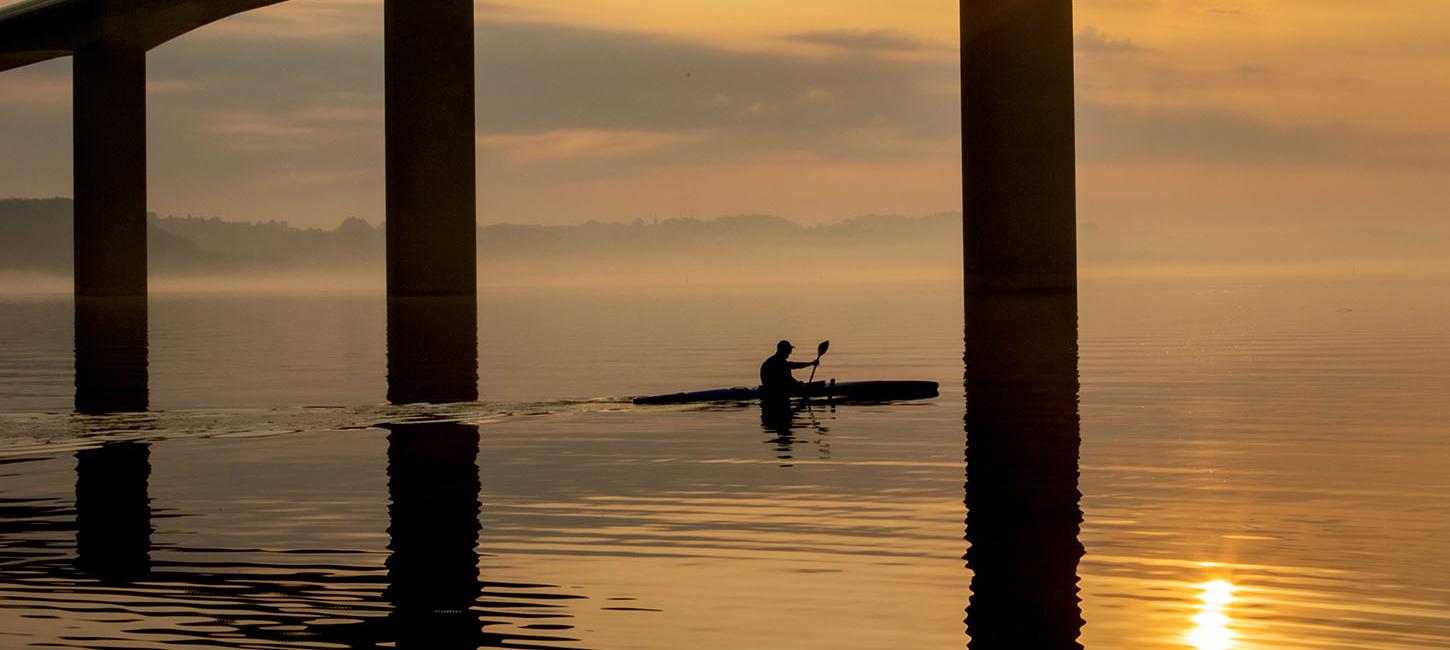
point(1212, 630)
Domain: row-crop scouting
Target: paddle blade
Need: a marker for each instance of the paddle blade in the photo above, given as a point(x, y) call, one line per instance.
point(820, 352)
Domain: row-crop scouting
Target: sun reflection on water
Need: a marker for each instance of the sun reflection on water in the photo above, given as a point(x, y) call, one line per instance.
point(1212, 630)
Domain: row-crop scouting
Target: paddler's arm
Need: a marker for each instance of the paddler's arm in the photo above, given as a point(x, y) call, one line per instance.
point(802, 364)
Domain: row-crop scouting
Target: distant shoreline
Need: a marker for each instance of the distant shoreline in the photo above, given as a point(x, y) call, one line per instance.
point(745, 250)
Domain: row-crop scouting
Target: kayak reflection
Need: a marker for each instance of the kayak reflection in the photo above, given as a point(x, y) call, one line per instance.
point(784, 420)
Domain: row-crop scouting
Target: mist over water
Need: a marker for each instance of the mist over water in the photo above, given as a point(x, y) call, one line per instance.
point(1261, 465)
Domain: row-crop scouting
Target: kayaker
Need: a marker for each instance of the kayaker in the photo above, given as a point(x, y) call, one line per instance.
point(775, 378)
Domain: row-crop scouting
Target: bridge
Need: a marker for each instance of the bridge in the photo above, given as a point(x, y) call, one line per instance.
point(1017, 141)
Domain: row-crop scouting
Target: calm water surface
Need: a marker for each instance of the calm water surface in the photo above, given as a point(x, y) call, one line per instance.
point(1262, 465)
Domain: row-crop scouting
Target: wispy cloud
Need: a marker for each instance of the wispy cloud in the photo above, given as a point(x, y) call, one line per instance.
point(580, 144)
point(315, 18)
point(1220, 137)
point(43, 86)
point(861, 40)
point(1089, 39)
point(537, 77)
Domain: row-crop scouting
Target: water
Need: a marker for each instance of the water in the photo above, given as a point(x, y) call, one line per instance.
point(1262, 465)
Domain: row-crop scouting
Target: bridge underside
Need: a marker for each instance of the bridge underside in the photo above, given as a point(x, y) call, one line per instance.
point(38, 30)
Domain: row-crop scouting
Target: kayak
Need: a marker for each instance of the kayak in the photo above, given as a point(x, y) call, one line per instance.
point(852, 391)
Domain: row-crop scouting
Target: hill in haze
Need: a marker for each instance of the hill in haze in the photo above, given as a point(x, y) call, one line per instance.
point(36, 236)
point(35, 239)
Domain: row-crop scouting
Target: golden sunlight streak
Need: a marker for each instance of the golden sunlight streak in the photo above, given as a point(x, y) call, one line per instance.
point(1212, 630)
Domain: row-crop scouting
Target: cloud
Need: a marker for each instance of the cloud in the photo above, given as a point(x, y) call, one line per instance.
point(1090, 40)
point(246, 108)
point(315, 18)
point(324, 18)
point(43, 86)
point(159, 87)
point(1109, 132)
point(549, 79)
point(860, 40)
point(581, 144)
point(298, 129)
point(538, 77)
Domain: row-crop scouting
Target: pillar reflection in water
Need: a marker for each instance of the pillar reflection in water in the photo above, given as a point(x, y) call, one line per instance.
point(1022, 497)
point(433, 515)
point(110, 354)
point(113, 511)
point(432, 349)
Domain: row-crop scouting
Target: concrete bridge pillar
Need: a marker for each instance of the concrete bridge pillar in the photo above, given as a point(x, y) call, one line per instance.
point(110, 227)
point(432, 254)
point(110, 169)
point(1018, 167)
point(428, 45)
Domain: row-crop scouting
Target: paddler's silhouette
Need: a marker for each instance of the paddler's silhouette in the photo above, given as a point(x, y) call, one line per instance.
point(776, 382)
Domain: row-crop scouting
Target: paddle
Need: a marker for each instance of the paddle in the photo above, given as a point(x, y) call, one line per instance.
point(820, 352)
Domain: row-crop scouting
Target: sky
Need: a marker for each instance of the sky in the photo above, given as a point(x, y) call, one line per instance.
point(1221, 116)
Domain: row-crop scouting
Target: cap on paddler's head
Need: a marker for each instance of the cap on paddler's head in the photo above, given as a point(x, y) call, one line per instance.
point(784, 346)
